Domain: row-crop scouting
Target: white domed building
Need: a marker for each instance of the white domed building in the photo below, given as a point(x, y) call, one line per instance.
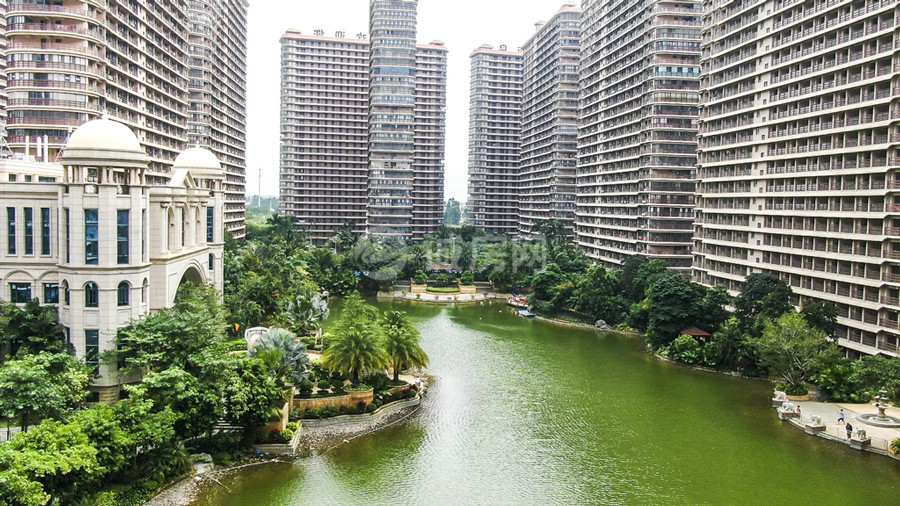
point(105, 239)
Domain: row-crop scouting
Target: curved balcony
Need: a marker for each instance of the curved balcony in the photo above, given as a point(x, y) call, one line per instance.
point(49, 10)
point(46, 65)
point(44, 47)
point(44, 29)
point(52, 103)
point(47, 83)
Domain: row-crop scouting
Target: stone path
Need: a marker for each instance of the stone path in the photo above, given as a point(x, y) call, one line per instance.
point(828, 412)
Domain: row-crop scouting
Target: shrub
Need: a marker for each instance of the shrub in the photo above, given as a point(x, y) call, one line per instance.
point(420, 278)
point(305, 386)
point(295, 414)
point(362, 387)
point(352, 410)
point(467, 278)
point(371, 409)
point(448, 289)
point(328, 412)
point(443, 279)
point(797, 389)
point(686, 349)
point(293, 426)
point(361, 406)
point(323, 386)
point(337, 385)
point(895, 445)
point(287, 435)
point(342, 410)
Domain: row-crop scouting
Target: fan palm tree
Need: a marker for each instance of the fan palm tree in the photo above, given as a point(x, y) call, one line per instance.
point(285, 356)
point(355, 350)
point(401, 343)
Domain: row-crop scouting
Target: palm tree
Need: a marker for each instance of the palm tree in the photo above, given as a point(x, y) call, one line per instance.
point(285, 356)
point(305, 311)
point(354, 350)
point(401, 343)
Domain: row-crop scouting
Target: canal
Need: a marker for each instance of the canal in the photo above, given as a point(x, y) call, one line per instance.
point(527, 412)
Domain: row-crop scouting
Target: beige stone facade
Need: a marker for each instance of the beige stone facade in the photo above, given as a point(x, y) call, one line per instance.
point(106, 240)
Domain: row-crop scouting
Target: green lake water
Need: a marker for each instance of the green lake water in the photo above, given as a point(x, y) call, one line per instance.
point(527, 412)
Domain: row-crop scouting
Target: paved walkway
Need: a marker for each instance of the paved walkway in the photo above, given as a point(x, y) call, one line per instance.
point(828, 412)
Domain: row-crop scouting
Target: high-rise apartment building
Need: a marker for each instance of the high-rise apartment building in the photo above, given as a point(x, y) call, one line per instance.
point(392, 112)
point(549, 121)
point(428, 138)
point(4, 45)
point(798, 163)
point(638, 129)
point(217, 104)
point(363, 128)
point(70, 61)
point(324, 132)
point(495, 127)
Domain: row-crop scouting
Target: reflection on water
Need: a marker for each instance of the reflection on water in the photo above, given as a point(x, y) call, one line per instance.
point(525, 412)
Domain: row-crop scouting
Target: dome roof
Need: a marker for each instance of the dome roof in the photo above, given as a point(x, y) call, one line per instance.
point(104, 142)
point(200, 161)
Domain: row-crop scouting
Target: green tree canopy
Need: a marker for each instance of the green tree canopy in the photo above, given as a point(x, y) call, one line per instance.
point(42, 385)
point(821, 315)
point(355, 350)
point(286, 356)
point(252, 393)
point(790, 348)
point(31, 329)
point(673, 307)
point(763, 297)
point(451, 212)
point(401, 343)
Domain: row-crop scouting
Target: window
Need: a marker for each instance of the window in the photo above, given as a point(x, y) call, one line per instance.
point(45, 231)
point(184, 226)
point(29, 230)
point(210, 224)
point(91, 237)
point(124, 293)
point(11, 230)
point(20, 293)
point(145, 291)
point(212, 261)
point(66, 294)
point(51, 293)
point(68, 249)
point(91, 295)
point(92, 347)
point(122, 236)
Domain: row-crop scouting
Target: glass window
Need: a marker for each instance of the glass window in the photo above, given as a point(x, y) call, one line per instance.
point(20, 293)
point(91, 295)
point(66, 293)
point(145, 291)
point(92, 347)
point(45, 231)
point(122, 236)
point(91, 237)
point(51, 293)
point(29, 231)
point(11, 230)
point(124, 293)
point(210, 224)
point(212, 261)
point(68, 249)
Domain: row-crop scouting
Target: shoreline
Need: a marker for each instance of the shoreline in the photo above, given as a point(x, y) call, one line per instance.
point(314, 441)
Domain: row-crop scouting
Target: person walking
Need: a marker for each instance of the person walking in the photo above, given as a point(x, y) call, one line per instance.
point(841, 415)
point(849, 431)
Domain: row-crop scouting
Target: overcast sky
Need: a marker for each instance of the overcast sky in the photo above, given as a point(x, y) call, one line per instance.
point(462, 24)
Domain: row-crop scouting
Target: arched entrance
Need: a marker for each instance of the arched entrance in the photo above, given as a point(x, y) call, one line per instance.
point(191, 276)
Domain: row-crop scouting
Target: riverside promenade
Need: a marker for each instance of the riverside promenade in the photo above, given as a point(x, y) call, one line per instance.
point(881, 437)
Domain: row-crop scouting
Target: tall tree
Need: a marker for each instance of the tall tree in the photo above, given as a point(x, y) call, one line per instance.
point(42, 385)
point(598, 294)
point(401, 343)
point(252, 392)
point(790, 348)
point(763, 297)
point(673, 307)
point(821, 315)
point(30, 329)
point(451, 212)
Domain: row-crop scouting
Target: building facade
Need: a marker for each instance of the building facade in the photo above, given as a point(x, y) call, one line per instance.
point(72, 61)
point(363, 129)
point(638, 121)
point(392, 109)
point(798, 157)
point(495, 127)
point(106, 239)
point(217, 102)
point(549, 122)
point(324, 132)
point(429, 132)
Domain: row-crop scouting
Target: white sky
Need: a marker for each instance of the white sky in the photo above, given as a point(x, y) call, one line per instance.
point(462, 24)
